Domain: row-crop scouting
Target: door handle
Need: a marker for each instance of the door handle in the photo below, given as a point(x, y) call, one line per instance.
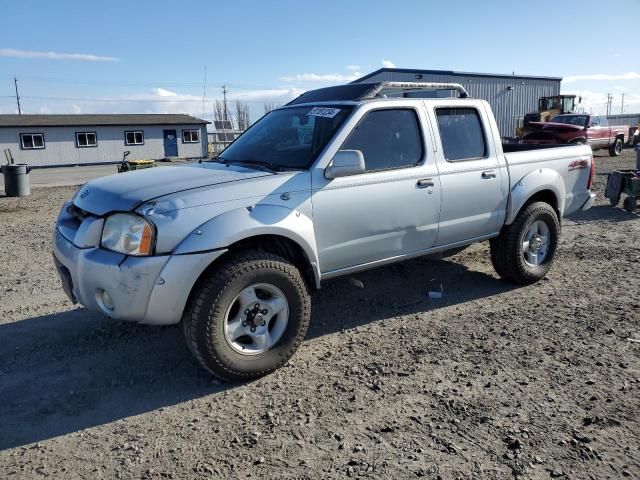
point(425, 183)
point(489, 174)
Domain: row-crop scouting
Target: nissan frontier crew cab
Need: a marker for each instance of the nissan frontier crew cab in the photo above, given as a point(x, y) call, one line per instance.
point(340, 180)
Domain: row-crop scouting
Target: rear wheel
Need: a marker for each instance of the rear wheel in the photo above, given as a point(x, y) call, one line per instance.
point(615, 149)
point(248, 317)
point(524, 251)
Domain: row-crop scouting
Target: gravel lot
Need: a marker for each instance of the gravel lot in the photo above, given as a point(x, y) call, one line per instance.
point(492, 381)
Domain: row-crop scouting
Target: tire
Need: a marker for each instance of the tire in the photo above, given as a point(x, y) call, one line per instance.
point(615, 150)
point(629, 204)
point(508, 254)
point(221, 296)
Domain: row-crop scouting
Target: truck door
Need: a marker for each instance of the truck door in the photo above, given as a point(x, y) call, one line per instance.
point(597, 135)
point(392, 208)
point(470, 174)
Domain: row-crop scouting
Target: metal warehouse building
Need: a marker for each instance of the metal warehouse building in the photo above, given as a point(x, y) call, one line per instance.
point(510, 96)
point(630, 119)
point(48, 140)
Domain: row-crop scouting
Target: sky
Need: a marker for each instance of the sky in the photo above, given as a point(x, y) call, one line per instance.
point(150, 56)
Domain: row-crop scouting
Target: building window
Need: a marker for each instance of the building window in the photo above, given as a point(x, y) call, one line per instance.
point(86, 139)
point(134, 137)
point(461, 134)
point(32, 141)
point(190, 136)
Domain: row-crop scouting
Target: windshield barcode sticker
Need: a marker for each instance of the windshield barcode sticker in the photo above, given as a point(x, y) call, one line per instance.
point(326, 112)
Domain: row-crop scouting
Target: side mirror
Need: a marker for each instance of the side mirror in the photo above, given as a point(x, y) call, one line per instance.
point(345, 163)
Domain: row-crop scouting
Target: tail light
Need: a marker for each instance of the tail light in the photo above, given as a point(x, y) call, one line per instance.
point(592, 172)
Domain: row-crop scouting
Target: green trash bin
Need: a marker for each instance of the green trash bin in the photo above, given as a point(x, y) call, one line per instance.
point(16, 179)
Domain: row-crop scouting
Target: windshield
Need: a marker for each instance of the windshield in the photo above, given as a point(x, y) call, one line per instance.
point(568, 104)
point(287, 138)
point(579, 120)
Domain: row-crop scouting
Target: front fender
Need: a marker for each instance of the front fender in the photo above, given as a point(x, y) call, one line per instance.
point(246, 222)
point(536, 181)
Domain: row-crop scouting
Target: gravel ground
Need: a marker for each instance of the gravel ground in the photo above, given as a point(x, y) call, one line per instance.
point(492, 381)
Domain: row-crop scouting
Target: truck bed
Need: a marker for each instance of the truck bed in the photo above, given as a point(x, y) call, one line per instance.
point(520, 147)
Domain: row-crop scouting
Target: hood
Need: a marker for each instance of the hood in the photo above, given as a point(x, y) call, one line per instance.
point(125, 191)
point(557, 127)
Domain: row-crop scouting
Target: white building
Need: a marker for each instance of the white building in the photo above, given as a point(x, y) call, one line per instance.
point(50, 140)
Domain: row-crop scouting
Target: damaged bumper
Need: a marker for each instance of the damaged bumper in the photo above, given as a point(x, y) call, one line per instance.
point(151, 290)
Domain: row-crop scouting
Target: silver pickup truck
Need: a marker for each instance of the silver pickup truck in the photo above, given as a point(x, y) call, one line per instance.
point(340, 180)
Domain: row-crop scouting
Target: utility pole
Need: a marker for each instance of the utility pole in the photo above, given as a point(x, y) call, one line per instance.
point(609, 99)
point(204, 90)
point(622, 107)
point(224, 101)
point(15, 81)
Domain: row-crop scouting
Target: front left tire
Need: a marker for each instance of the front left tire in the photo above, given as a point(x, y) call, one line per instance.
point(248, 316)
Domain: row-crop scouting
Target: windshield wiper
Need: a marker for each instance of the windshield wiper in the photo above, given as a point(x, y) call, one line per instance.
point(272, 167)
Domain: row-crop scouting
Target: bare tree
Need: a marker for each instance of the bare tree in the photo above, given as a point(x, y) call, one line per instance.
point(220, 110)
point(242, 115)
point(268, 106)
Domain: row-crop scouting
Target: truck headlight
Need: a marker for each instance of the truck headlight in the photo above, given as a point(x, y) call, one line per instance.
point(128, 233)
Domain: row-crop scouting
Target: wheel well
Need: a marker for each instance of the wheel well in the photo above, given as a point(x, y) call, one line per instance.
point(282, 246)
point(275, 244)
point(546, 196)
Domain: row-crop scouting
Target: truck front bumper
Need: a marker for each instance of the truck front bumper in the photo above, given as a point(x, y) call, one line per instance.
point(152, 290)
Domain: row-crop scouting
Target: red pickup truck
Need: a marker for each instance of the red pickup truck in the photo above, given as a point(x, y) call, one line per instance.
point(578, 128)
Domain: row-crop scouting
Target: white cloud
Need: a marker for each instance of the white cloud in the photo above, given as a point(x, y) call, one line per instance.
point(596, 102)
point(353, 68)
point(617, 55)
point(83, 57)
point(155, 100)
point(602, 77)
point(277, 95)
point(320, 78)
point(388, 64)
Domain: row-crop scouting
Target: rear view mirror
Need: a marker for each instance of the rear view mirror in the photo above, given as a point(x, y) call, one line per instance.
point(345, 163)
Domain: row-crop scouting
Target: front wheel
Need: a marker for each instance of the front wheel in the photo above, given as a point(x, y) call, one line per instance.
point(615, 150)
point(248, 317)
point(524, 251)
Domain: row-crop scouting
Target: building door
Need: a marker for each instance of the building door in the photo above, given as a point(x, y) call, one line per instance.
point(170, 143)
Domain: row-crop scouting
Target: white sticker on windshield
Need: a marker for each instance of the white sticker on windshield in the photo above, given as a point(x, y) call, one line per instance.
point(326, 112)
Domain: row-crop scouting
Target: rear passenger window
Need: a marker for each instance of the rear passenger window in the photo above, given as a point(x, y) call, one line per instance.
point(387, 139)
point(461, 133)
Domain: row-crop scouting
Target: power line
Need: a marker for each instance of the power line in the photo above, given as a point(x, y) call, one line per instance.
point(167, 83)
point(120, 100)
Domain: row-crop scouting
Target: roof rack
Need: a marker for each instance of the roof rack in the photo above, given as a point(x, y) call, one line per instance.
point(362, 91)
point(384, 88)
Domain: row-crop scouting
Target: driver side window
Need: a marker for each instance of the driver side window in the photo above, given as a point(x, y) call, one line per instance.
point(595, 121)
point(388, 139)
